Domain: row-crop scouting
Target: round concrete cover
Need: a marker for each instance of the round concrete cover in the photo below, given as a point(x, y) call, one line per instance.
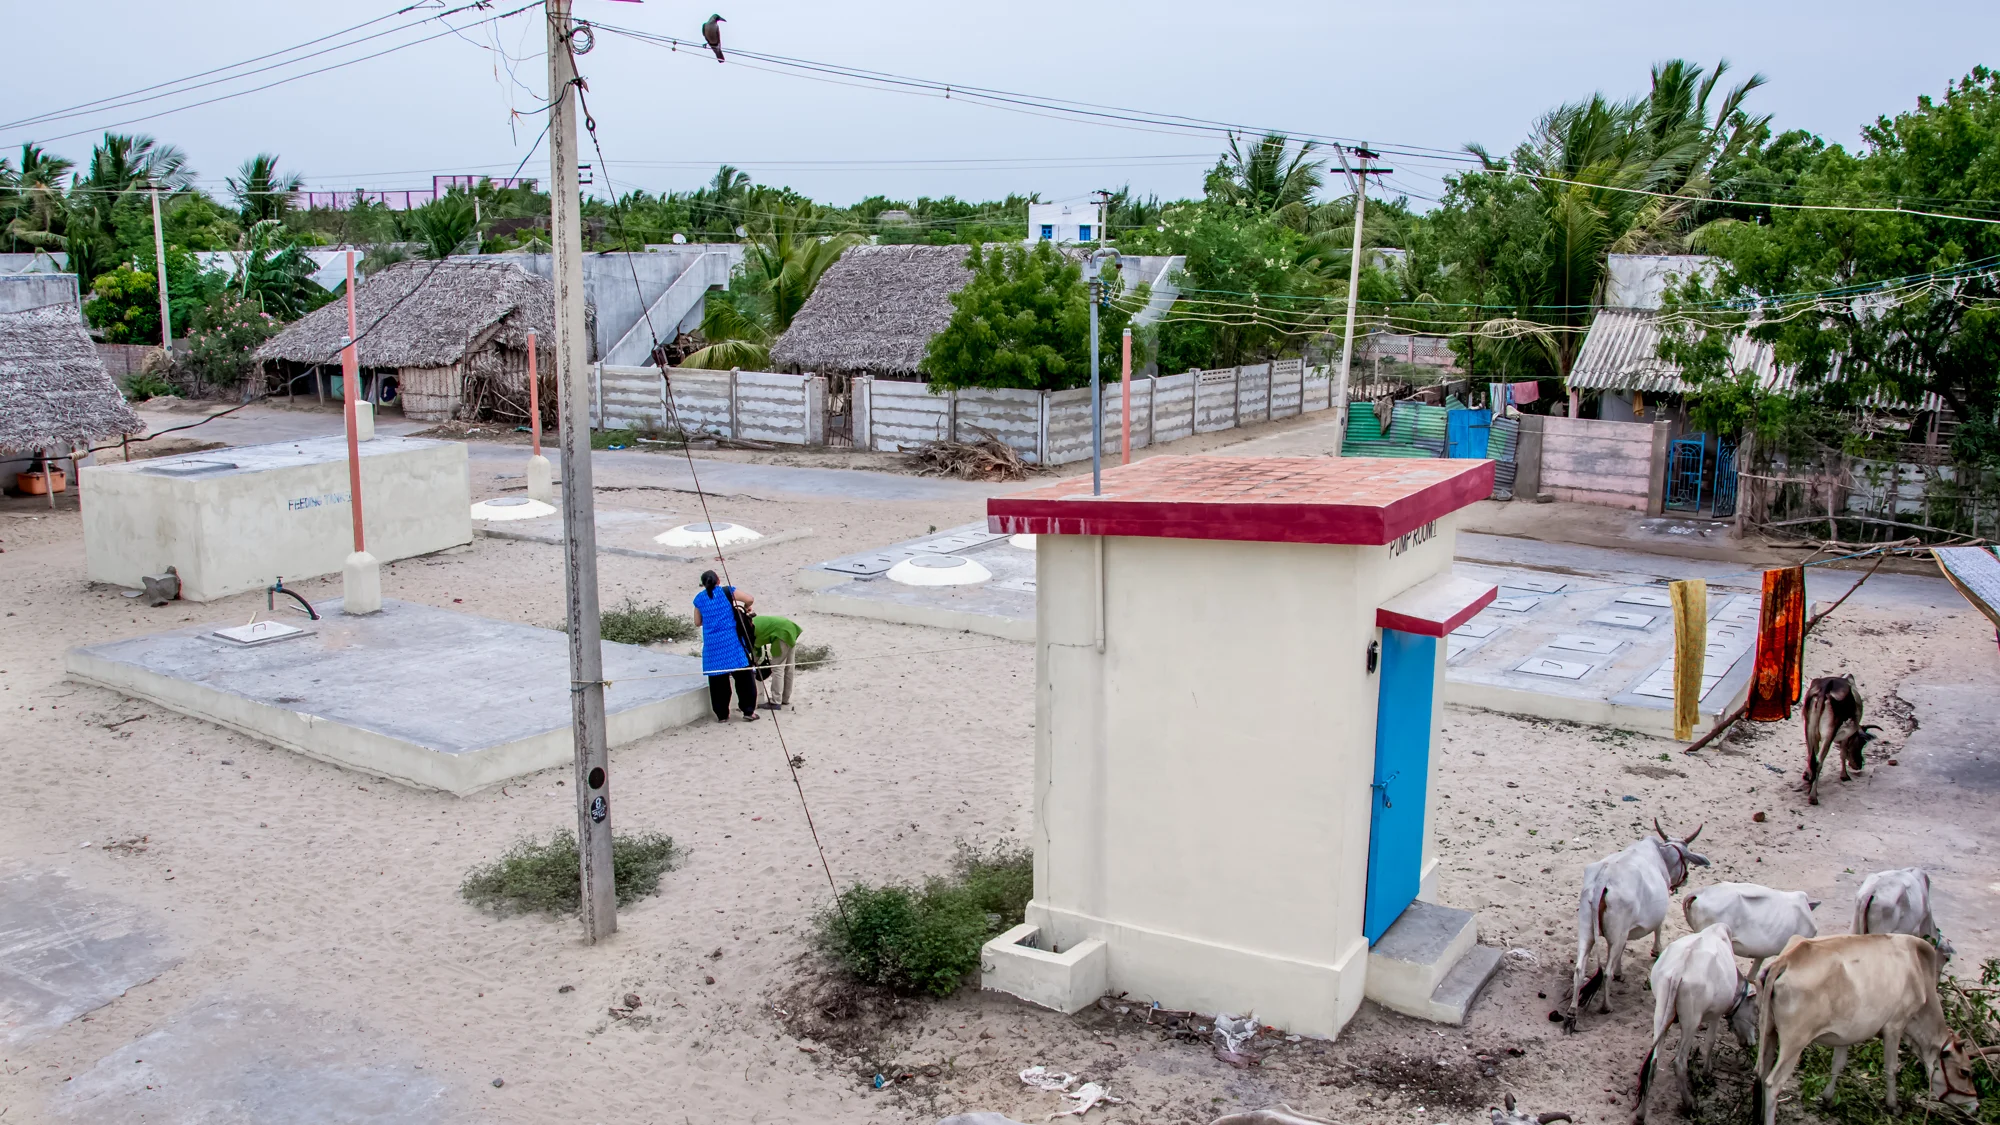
point(706, 535)
point(939, 570)
point(1025, 542)
point(511, 508)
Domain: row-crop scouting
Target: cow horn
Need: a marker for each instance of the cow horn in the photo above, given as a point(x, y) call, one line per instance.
point(1552, 1115)
point(1689, 838)
point(1660, 830)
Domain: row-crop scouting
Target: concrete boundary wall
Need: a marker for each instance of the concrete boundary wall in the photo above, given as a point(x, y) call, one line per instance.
point(1593, 461)
point(758, 405)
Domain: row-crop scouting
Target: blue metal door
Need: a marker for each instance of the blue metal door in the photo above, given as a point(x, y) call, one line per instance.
point(1686, 461)
point(1466, 431)
point(1725, 477)
point(1402, 771)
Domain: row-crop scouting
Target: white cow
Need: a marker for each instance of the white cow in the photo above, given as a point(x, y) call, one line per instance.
point(1694, 981)
point(1898, 902)
point(1760, 920)
point(1626, 896)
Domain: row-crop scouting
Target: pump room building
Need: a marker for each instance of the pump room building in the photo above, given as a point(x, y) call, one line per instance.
point(1239, 659)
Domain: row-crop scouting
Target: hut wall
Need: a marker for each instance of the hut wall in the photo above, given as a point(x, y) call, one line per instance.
point(430, 394)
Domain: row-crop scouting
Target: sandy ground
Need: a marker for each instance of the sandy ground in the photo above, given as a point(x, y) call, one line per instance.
point(334, 893)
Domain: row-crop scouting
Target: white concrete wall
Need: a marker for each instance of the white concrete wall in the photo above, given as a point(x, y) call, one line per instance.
point(284, 511)
point(1211, 733)
point(1065, 221)
point(1594, 461)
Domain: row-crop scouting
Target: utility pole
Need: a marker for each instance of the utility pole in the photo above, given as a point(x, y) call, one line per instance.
point(160, 264)
point(360, 578)
point(1095, 264)
point(1359, 177)
point(586, 652)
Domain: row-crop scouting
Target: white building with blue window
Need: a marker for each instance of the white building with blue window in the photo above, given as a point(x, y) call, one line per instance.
point(1063, 223)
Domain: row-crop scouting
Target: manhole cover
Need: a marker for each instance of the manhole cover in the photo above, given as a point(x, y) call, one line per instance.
point(706, 528)
point(508, 502)
point(939, 562)
point(939, 570)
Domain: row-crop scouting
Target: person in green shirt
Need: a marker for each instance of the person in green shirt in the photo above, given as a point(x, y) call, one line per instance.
point(776, 639)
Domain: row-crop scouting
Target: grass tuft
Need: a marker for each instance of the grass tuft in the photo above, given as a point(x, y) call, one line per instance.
point(926, 939)
point(813, 656)
point(635, 624)
point(546, 875)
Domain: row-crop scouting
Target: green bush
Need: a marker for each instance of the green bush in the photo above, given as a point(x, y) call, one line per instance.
point(635, 624)
point(546, 875)
point(926, 940)
point(145, 384)
point(605, 439)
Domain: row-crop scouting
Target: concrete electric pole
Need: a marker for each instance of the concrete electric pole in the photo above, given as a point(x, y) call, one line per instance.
point(1359, 177)
point(160, 264)
point(586, 653)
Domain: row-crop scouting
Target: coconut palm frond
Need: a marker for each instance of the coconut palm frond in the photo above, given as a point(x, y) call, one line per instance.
point(726, 354)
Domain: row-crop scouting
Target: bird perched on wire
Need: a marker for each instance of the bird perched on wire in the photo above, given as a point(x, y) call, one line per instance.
point(712, 35)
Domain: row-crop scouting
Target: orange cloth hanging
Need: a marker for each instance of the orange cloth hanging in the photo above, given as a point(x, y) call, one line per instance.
point(1774, 686)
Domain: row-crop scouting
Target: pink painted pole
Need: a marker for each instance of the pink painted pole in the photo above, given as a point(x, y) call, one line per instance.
point(1125, 381)
point(350, 372)
point(534, 397)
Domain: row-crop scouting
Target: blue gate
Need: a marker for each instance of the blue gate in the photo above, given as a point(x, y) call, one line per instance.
point(1402, 772)
point(1466, 432)
point(1725, 477)
point(1687, 459)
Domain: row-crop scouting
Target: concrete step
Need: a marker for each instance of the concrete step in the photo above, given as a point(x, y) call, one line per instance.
point(1429, 964)
point(1460, 987)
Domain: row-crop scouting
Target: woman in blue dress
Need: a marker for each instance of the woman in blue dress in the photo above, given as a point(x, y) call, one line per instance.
point(723, 658)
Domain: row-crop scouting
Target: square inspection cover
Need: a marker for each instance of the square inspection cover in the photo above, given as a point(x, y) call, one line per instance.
point(1515, 604)
point(1571, 642)
point(1537, 585)
point(1625, 620)
point(1646, 597)
point(1560, 669)
point(1477, 630)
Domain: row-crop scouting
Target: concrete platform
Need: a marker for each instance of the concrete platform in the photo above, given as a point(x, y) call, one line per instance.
point(416, 694)
point(624, 531)
point(251, 1061)
point(1429, 964)
point(65, 952)
point(1002, 606)
point(1596, 649)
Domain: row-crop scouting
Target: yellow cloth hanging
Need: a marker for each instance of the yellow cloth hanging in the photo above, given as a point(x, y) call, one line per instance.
point(1690, 600)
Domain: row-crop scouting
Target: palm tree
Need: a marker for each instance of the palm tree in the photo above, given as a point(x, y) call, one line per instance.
point(260, 191)
point(781, 267)
point(1269, 178)
point(444, 225)
point(720, 203)
point(277, 271)
point(31, 199)
point(1689, 147)
point(123, 167)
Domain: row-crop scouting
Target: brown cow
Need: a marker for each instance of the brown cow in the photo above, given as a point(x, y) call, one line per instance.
point(1847, 989)
point(1832, 712)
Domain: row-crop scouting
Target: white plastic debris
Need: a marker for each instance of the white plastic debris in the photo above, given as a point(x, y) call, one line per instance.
point(1087, 1097)
point(1042, 1078)
point(1235, 1032)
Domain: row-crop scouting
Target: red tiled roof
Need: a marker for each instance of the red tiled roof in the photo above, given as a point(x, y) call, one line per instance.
point(1353, 500)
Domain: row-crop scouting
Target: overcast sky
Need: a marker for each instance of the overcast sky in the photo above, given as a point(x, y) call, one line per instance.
point(1429, 73)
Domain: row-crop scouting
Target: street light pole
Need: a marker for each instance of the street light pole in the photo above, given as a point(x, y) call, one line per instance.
point(1093, 267)
point(1360, 176)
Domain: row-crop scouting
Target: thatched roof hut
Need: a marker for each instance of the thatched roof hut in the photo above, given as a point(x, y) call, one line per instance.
point(54, 392)
point(456, 333)
point(874, 311)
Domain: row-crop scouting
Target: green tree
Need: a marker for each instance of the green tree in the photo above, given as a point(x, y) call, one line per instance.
point(445, 226)
point(32, 206)
point(780, 270)
point(1268, 178)
point(1860, 303)
point(124, 305)
point(225, 331)
point(262, 192)
point(1023, 321)
point(276, 273)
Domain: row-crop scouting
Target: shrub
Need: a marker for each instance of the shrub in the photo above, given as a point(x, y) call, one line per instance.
point(224, 333)
point(927, 940)
point(605, 439)
point(148, 383)
point(635, 624)
point(546, 875)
